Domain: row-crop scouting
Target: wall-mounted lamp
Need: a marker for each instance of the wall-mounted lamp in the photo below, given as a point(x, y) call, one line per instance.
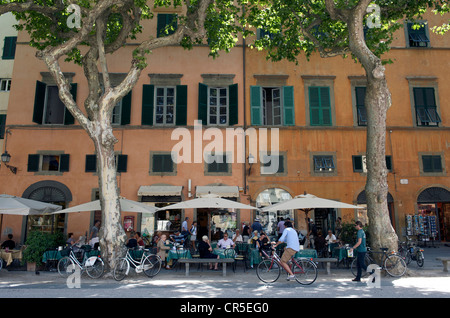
point(6, 157)
point(251, 161)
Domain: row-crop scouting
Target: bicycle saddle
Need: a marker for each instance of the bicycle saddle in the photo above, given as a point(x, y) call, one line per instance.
point(384, 249)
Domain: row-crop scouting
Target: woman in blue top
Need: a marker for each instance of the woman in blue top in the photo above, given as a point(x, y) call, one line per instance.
point(360, 247)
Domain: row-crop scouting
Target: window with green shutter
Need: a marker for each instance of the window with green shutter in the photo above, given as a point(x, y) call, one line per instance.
point(91, 163)
point(9, 47)
point(121, 163)
point(48, 163)
point(167, 23)
point(218, 105)
point(360, 94)
point(162, 163)
point(48, 108)
point(272, 106)
point(432, 163)
point(217, 164)
point(425, 105)
point(320, 106)
point(417, 35)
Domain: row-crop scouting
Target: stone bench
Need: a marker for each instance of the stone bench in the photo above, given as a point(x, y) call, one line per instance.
point(444, 261)
point(223, 261)
point(328, 261)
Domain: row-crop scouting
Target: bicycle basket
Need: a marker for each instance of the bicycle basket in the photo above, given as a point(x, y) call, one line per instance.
point(65, 252)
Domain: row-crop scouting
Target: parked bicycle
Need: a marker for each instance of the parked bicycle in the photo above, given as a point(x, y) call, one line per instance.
point(393, 263)
point(411, 251)
point(150, 264)
point(67, 265)
point(269, 269)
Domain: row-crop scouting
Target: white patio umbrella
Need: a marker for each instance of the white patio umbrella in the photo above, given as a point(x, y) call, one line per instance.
point(308, 202)
point(209, 201)
point(125, 205)
point(13, 205)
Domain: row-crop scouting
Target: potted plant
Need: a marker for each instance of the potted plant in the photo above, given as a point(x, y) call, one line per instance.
point(36, 244)
point(348, 234)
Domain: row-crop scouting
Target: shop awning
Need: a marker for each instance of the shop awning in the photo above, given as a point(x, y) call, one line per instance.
point(160, 190)
point(221, 191)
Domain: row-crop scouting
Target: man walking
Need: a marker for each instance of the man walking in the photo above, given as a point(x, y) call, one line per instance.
point(361, 249)
point(292, 246)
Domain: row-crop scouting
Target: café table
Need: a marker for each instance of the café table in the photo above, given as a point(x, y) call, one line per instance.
point(55, 255)
point(10, 255)
point(175, 254)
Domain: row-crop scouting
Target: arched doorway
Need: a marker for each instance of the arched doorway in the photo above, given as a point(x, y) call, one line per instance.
point(434, 206)
point(362, 213)
point(48, 191)
point(269, 220)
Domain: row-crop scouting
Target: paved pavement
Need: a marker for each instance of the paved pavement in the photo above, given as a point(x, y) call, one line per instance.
point(429, 281)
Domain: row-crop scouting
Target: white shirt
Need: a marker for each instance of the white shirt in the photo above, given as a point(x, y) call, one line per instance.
point(225, 243)
point(238, 239)
point(291, 238)
point(330, 239)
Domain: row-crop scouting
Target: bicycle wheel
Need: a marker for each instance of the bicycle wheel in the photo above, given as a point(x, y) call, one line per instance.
point(151, 265)
point(304, 270)
point(420, 259)
point(96, 269)
point(408, 257)
point(395, 265)
point(268, 271)
point(354, 267)
point(66, 266)
point(121, 269)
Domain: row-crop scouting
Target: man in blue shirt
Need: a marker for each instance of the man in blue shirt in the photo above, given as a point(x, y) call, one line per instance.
point(360, 247)
point(290, 237)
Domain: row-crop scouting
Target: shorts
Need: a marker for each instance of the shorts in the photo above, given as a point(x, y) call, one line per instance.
point(287, 254)
point(193, 237)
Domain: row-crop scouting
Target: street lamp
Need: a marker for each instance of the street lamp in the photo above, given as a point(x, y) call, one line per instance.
point(251, 161)
point(6, 157)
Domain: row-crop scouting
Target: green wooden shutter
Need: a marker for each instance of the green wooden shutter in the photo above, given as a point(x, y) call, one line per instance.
point(39, 100)
point(233, 115)
point(288, 106)
point(203, 103)
point(122, 163)
point(2, 126)
point(64, 163)
point(164, 20)
point(9, 48)
point(148, 93)
point(181, 106)
point(126, 109)
point(68, 117)
point(91, 163)
point(357, 164)
point(255, 105)
point(319, 106)
point(33, 163)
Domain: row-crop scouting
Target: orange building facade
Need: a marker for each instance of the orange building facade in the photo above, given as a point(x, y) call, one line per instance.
point(312, 112)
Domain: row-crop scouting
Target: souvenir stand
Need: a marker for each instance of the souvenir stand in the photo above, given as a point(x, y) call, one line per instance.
point(422, 226)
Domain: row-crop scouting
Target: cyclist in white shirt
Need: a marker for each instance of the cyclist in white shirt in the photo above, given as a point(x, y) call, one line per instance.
point(290, 237)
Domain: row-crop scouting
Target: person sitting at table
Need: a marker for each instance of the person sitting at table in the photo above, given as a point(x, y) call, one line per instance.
point(205, 251)
point(9, 243)
point(254, 239)
point(140, 241)
point(156, 238)
point(330, 238)
point(177, 238)
point(132, 242)
point(71, 242)
point(225, 242)
point(320, 244)
point(263, 244)
point(237, 237)
point(162, 249)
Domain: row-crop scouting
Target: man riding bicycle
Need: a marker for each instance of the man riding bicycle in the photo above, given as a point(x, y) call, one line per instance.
point(290, 237)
